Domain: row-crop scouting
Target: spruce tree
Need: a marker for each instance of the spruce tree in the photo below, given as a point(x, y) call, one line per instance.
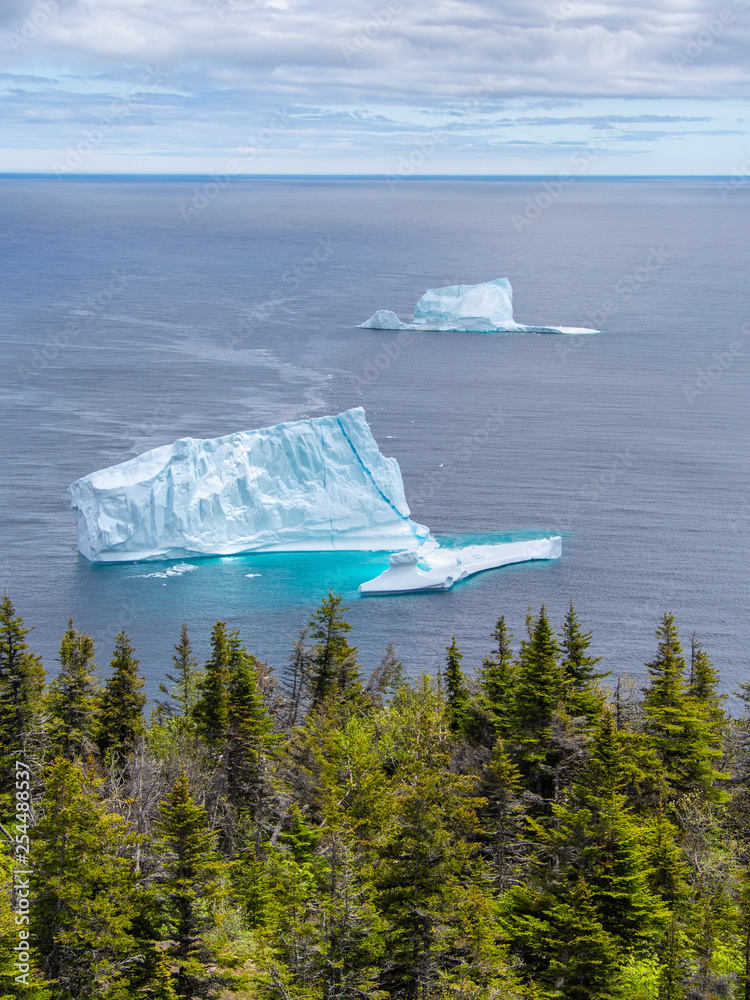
point(211, 710)
point(681, 729)
point(189, 887)
point(497, 681)
point(457, 697)
point(185, 680)
point(334, 670)
point(583, 699)
point(21, 687)
point(539, 696)
point(85, 898)
point(73, 695)
point(583, 957)
point(122, 703)
point(249, 737)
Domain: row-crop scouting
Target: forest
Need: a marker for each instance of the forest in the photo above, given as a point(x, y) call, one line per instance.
point(532, 829)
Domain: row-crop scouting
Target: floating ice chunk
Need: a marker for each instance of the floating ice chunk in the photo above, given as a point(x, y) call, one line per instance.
point(312, 485)
point(483, 308)
point(384, 319)
point(433, 568)
point(176, 570)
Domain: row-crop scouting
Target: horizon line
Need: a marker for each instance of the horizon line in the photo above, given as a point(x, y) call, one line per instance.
point(82, 175)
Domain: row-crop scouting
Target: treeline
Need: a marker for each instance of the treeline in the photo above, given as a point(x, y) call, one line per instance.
point(536, 831)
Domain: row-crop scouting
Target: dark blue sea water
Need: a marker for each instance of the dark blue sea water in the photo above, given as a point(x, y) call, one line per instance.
point(129, 321)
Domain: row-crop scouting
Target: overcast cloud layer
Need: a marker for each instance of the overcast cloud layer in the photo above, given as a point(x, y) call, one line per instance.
point(431, 87)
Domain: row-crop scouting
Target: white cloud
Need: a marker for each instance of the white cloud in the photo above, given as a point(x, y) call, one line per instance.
point(371, 73)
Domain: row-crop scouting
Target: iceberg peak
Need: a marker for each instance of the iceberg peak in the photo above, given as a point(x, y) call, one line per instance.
point(483, 308)
point(311, 485)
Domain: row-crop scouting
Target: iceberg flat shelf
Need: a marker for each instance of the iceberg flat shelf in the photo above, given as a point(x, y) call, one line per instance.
point(441, 568)
point(482, 308)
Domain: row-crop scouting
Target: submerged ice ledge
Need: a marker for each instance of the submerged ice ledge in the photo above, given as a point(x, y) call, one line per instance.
point(431, 568)
point(483, 308)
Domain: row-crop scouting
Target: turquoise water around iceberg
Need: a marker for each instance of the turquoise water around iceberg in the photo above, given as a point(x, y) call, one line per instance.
point(269, 595)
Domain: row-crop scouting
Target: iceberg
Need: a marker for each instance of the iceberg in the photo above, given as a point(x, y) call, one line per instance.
point(316, 485)
point(430, 567)
point(483, 308)
point(312, 485)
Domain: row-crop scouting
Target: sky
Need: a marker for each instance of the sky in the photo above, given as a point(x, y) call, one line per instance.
point(379, 87)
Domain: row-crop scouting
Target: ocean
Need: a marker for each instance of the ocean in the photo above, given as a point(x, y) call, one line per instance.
point(140, 310)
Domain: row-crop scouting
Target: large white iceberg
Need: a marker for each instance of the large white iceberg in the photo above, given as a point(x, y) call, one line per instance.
point(312, 485)
point(483, 308)
point(431, 567)
point(317, 484)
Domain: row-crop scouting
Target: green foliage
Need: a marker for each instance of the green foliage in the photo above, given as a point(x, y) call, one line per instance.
point(186, 684)
point(21, 686)
point(457, 697)
point(190, 885)
point(516, 838)
point(122, 703)
point(211, 711)
point(334, 671)
point(583, 698)
point(497, 682)
point(84, 896)
point(682, 728)
point(73, 696)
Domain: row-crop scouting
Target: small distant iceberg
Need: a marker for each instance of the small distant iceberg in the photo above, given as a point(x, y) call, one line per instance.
point(483, 308)
point(431, 567)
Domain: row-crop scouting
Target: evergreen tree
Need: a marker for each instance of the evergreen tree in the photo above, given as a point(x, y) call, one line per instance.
point(334, 670)
point(211, 711)
point(190, 885)
point(583, 957)
point(457, 697)
point(21, 687)
point(249, 737)
point(583, 699)
point(680, 728)
point(539, 696)
point(705, 698)
point(502, 816)
point(13, 961)
point(84, 893)
point(122, 702)
point(73, 695)
point(186, 681)
point(497, 682)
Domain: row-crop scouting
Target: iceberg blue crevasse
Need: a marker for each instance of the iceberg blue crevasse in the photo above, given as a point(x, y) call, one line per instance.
point(483, 308)
point(315, 485)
